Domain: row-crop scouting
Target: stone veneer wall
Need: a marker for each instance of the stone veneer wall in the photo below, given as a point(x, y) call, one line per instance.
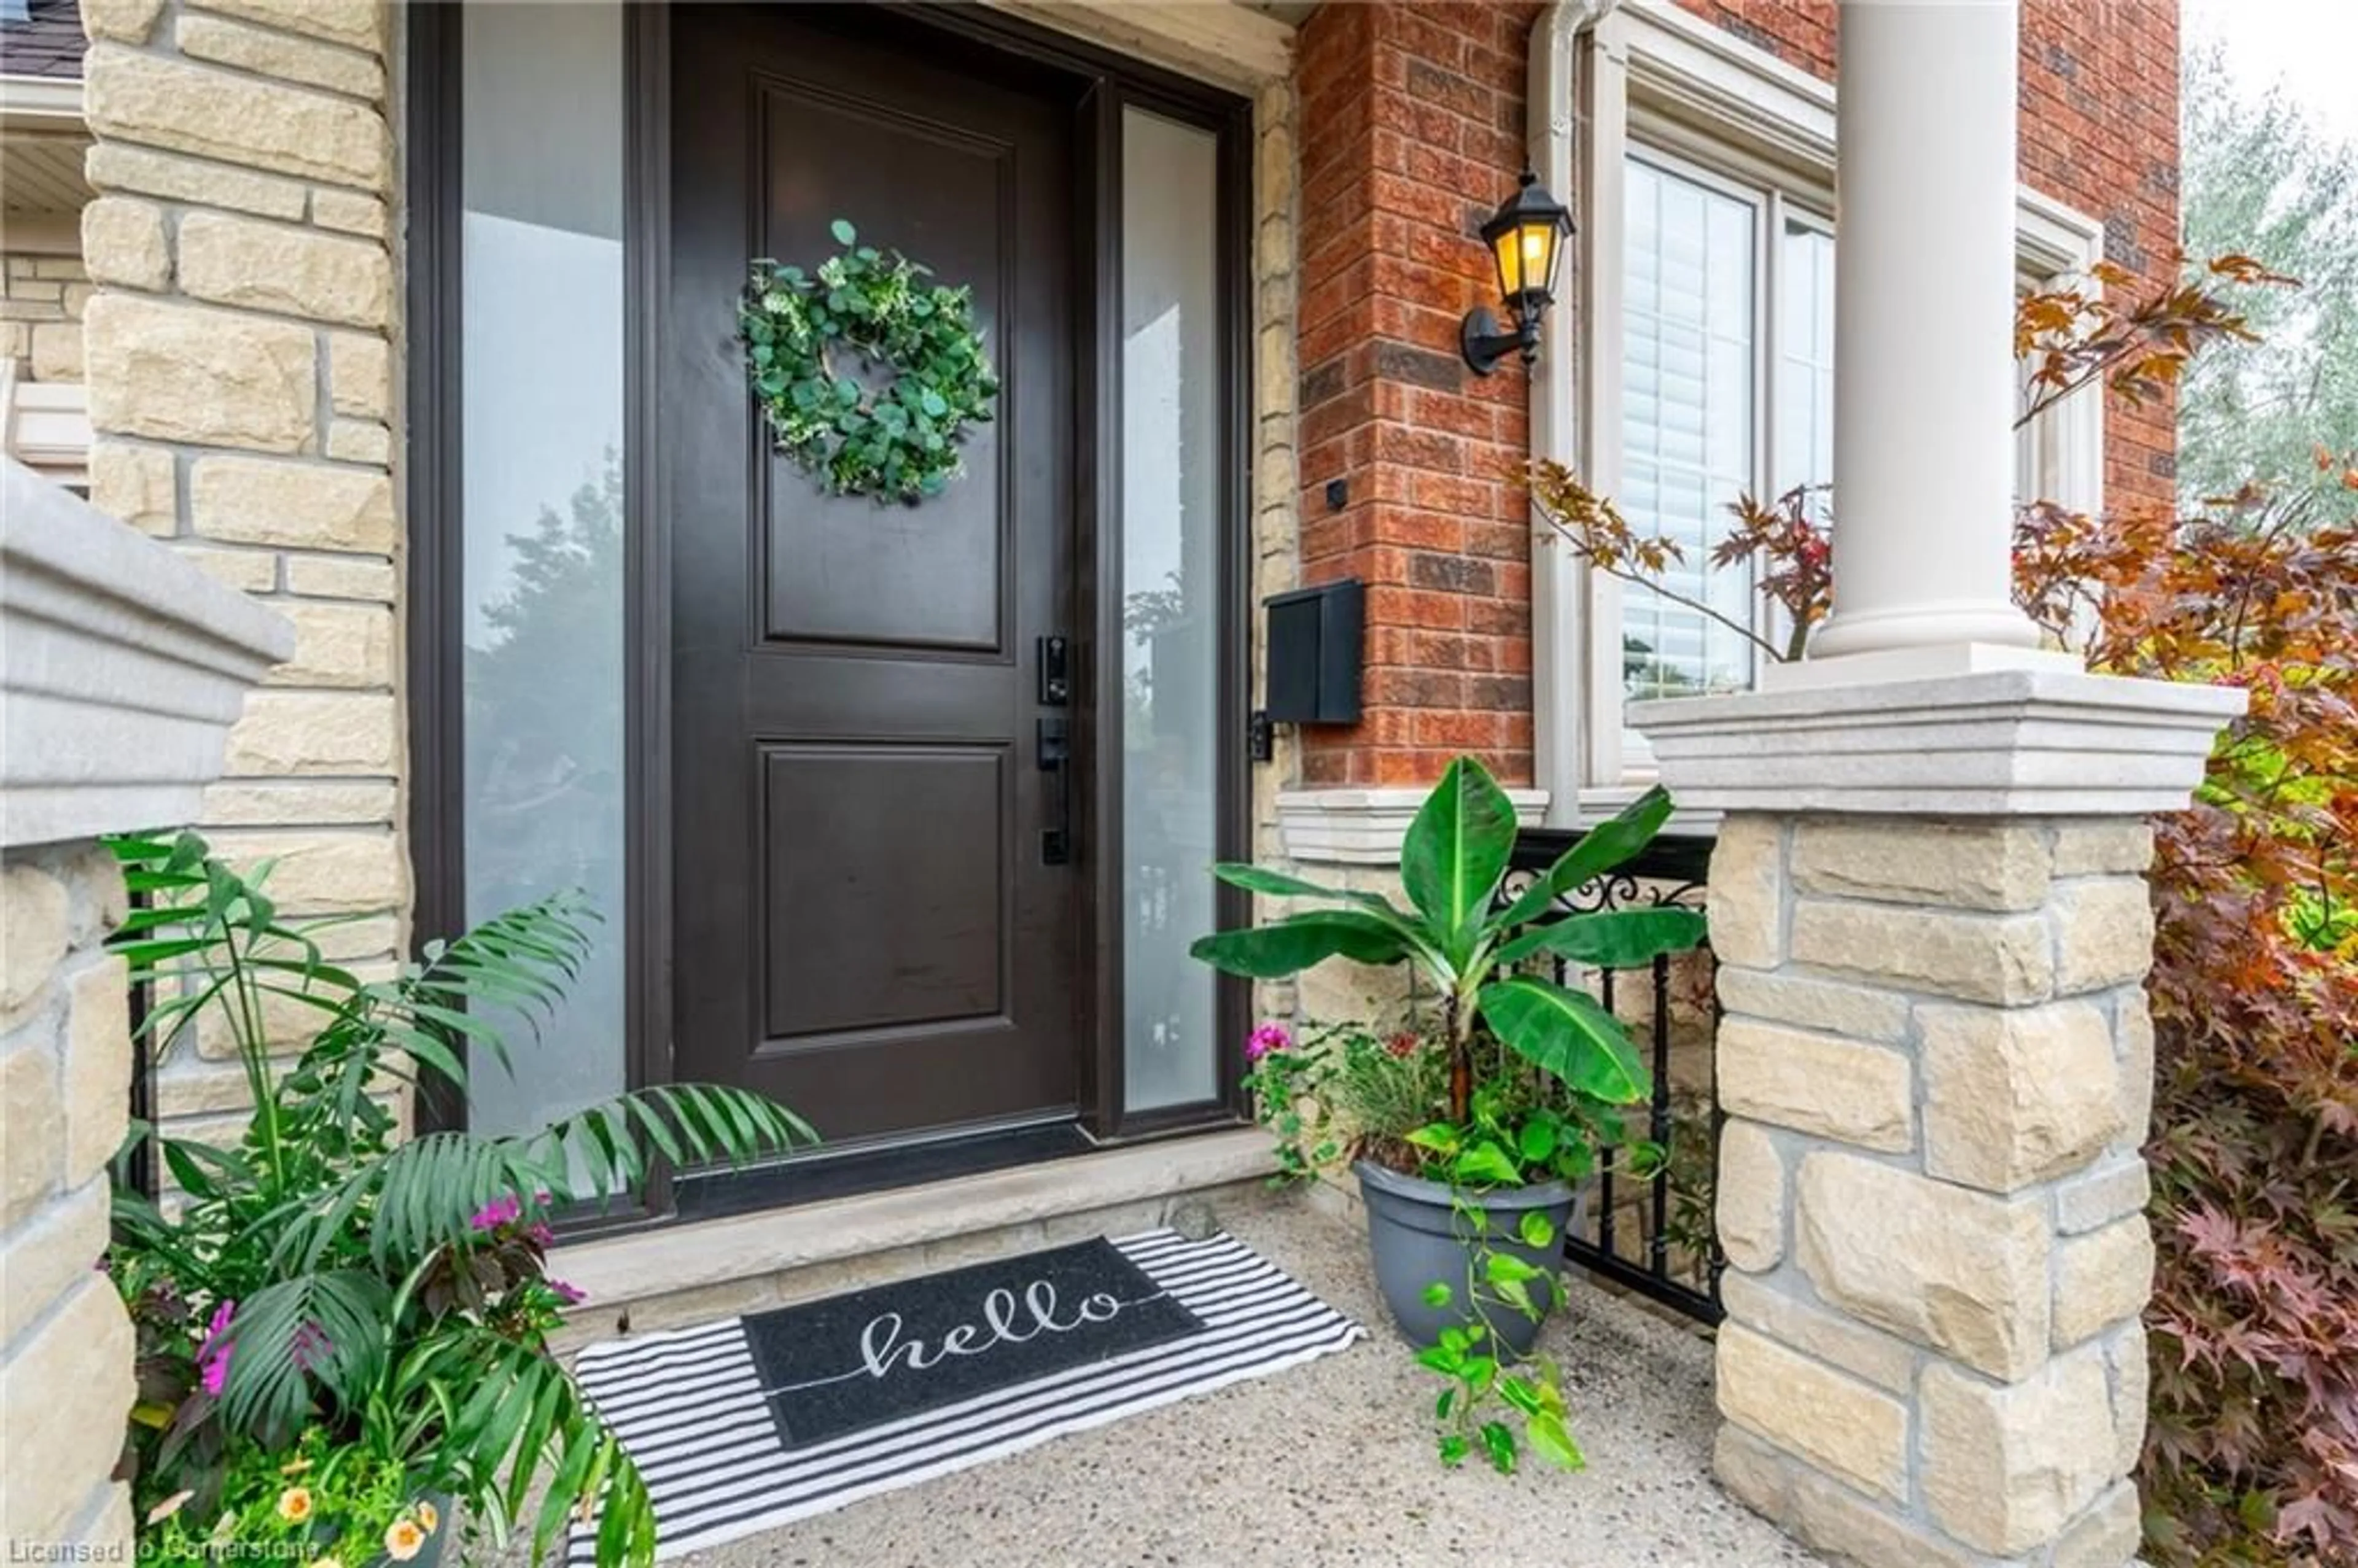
point(1937, 1066)
point(65, 1076)
point(41, 301)
point(240, 352)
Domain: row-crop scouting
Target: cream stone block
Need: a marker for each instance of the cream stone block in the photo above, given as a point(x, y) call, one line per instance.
point(64, 1396)
point(2107, 1536)
point(2128, 1359)
point(316, 506)
point(308, 803)
point(1836, 1424)
point(2005, 1466)
point(176, 373)
point(2097, 847)
point(1758, 1476)
point(1849, 1528)
point(311, 733)
point(166, 102)
point(360, 376)
point(33, 938)
point(114, 166)
point(349, 211)
point(1752, 1197)
point(128, 20)
point(359, 441)
point(2133, 1033)
point(2104, 1193)
point(1823, 1084)
point(57, 351)
point(53, 1253)
point(1745, 901)
point(123, 241)
point(275, 54)
point(296, 272)
point(342, 577)
point(2003, 958)
point(355, 24)
point(248, 571)
point(97, 1068)
point(2102, 1280)
point(1773, 1309)
point(2015, 1096)
point(337, 645)
point(325, 870)
point(2103, 934)
point(136, 485)
point(1945, 1267)
point(1996, 865)
point(1861, 1012)
point(33, 1151)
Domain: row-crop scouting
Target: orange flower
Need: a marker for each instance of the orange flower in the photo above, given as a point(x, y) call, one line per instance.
point(429, 1517)
point(294, 1504)
point(403, 1539)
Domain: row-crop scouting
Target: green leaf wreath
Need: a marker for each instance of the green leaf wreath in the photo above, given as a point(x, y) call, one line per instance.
point(896, 440)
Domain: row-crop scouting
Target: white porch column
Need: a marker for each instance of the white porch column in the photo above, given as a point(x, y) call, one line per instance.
point(1924, 391)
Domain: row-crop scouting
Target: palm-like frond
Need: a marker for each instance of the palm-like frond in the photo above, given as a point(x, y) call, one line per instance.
point(298, 1336)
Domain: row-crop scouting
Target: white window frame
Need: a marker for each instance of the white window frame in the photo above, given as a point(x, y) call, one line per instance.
point(1648, 75)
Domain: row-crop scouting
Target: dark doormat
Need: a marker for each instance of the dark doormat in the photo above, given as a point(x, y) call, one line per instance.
point(847, 1362)
point(752, 1423)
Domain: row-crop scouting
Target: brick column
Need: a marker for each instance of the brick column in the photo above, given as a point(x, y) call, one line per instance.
point(1411, 130)
point(1927, 902)
point(238, 356)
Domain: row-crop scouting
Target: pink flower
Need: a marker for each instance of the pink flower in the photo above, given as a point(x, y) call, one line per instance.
point(213, 1356)
point(571, 1295)
point(497, 1212)
point(1268, 1037)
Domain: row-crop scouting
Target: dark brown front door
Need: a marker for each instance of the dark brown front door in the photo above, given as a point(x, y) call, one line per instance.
point(867, 926)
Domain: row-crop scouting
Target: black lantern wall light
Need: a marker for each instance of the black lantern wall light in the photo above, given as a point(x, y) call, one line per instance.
point(1526, 238)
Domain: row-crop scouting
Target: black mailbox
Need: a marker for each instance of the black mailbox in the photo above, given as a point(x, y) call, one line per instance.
point(1314, 652)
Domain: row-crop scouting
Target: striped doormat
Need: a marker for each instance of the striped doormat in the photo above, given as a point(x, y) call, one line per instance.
point(718, 1424)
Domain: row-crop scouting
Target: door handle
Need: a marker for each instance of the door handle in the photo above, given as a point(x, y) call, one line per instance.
point(1055, 756)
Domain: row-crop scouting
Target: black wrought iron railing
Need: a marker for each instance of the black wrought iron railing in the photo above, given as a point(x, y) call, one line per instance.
point(1647, 1224)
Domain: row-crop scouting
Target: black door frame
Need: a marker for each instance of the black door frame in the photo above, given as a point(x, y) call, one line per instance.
point(436, 592)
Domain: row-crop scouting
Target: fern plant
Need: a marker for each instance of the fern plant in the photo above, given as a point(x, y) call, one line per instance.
point(324, 1275)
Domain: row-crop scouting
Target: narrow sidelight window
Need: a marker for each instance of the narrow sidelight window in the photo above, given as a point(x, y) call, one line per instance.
point(541, 358)
point(1170, 527)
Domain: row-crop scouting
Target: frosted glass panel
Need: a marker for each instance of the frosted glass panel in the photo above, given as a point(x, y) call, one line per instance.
point(1169, 572)
point(542, 356)
point(1688, 425)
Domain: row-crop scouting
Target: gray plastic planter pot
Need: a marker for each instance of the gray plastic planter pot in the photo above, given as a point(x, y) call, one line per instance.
point(1418, 1235)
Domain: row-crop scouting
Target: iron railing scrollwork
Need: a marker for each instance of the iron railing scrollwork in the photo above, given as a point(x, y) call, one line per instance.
point(1652, 1234)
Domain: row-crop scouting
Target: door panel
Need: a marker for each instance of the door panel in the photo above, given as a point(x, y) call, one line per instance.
point(865, 926)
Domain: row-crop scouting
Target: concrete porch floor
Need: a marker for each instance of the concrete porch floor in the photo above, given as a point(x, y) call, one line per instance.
point(1331, 1463)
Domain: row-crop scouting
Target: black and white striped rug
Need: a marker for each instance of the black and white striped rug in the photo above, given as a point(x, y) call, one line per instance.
point(694, 1413)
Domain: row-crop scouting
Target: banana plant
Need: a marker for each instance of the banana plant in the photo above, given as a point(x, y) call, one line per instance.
point(1469, 942)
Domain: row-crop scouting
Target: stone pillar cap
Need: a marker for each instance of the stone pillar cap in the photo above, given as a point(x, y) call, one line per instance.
point(124, 667)
point(2046, 742)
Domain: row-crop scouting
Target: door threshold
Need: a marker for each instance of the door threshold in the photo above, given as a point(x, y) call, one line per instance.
point(717, 1195)
point(682, 1274)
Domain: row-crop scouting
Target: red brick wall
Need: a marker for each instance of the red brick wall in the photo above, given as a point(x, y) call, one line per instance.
point(1412, 131)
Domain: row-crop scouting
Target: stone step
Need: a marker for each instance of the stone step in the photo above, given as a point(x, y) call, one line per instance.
point(693, 1272)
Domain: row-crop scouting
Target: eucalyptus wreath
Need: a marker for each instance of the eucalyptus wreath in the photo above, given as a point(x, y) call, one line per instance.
point(895, 440)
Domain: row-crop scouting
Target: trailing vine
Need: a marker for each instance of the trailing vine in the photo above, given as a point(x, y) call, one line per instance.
point(869, 375)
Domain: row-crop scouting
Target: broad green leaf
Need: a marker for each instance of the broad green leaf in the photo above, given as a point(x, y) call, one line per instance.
point(1535, 1228)
point(1536, 1143)
point(1614, 939)
point(1441, 1406)
point(1485, 1164)
point(1437, 1294)
point(1499, 1444)
point(1454, 1449)
point(1521, 1393)
point(845, 234)
point(1443, 1138)
point(1566, 1033)
point(1517, 1295)
point(1456, 850)
point(1553, 1440)
point(1290, 945)
point(1600, 849)
point(1505, 1267)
